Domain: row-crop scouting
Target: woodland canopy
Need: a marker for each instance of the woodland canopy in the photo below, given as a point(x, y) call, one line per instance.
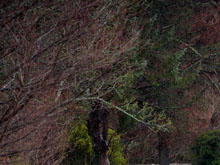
point(123, 82)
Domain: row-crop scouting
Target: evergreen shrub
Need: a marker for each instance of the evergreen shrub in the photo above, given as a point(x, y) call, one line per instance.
point(206, 151)
point(80, 148)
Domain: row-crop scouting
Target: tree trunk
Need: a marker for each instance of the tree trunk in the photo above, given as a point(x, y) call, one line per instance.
point(98, 130)
point(163, 150)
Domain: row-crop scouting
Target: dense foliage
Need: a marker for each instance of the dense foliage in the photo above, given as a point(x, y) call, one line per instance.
point(206, 149)
point(148, 69)
point(80, 147)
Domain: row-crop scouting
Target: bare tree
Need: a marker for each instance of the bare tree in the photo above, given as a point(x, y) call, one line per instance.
point(53, 53)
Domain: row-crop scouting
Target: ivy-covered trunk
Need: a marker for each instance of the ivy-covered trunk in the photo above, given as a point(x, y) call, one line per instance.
point(163, 150)
point(98, 130)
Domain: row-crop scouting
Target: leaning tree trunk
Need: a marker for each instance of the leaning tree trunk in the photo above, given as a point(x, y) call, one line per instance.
point(98, 130)
point(163, 149)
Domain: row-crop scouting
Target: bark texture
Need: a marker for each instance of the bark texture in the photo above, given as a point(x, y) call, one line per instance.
point(163, 150)
point(98, 130)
